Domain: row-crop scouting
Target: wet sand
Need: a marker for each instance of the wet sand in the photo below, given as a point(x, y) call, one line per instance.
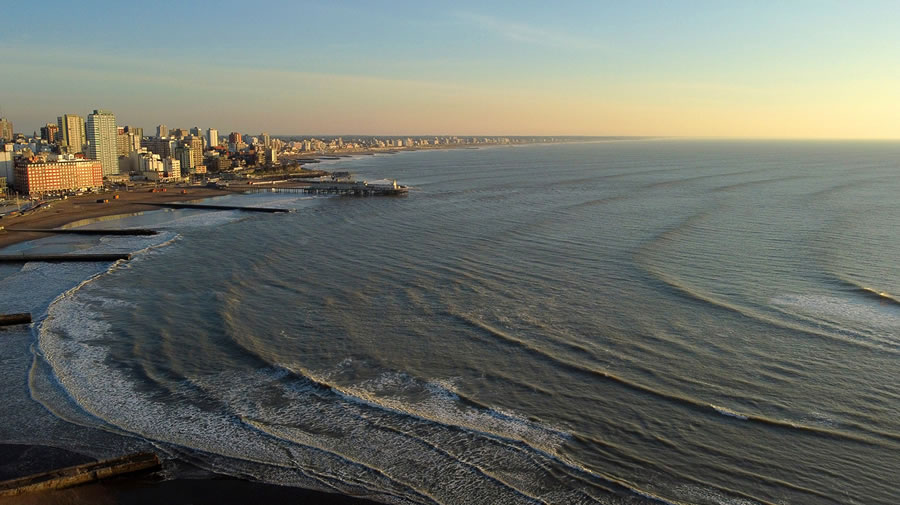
point(63, 212)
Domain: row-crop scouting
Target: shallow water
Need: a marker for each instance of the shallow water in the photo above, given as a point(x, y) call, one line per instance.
point(700, 322)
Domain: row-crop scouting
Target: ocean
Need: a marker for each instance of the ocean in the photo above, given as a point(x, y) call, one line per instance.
point(654, 321)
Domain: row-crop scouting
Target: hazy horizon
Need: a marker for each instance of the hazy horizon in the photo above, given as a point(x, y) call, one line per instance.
point(687, 69)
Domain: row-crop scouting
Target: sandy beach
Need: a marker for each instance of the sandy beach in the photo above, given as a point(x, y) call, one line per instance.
point(64, 212)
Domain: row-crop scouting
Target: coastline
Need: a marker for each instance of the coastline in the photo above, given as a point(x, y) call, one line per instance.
point(65, 213)
point(167, 486)
point(178, 482)
point(61, 213)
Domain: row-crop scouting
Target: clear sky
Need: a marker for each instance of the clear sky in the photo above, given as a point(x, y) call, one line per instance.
point(808, 69)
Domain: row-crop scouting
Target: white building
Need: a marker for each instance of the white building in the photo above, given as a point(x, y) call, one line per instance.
point(212, 137)
point(101, 140)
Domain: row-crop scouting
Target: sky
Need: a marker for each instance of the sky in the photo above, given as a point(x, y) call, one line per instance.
point(798, 69)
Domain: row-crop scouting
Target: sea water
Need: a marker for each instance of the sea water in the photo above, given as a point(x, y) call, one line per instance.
point(706, 322)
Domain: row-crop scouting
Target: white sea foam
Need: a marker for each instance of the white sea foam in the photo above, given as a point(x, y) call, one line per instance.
point(699, 494)
point(415, 452)
point(67, 338)
point(728, 412)
point(203, 218)
point(868, 314)
point(442, 405)
point(342, 443)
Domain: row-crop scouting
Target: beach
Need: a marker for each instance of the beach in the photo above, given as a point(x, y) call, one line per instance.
point(85, 207)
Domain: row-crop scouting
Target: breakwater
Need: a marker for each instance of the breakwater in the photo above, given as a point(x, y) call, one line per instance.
point(214, 207)
point(80, 231)
point(63, 258)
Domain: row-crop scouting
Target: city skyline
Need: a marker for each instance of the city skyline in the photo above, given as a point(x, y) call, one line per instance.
point(804, 70)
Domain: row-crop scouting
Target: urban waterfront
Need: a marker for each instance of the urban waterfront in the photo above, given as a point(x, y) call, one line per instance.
point(708, 322)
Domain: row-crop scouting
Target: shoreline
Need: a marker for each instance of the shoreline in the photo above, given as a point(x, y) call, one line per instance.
point(84, 209)
point(80, 210)
point(179, 482)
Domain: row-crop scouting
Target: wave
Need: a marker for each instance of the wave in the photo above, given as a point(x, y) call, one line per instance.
point(842, 337)
point(688, 180)
point(728, 412)
point(687, 401)
point(869, 292)
point(747, 184)
point(352, 456)
point(827, 192)
point(876, 325)
point(441, 406)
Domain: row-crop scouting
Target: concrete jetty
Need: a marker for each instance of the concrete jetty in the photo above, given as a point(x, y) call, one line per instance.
point(13, 319)
point(63, 258)
point(79, 231)
point(80, 474)
point(213, 207)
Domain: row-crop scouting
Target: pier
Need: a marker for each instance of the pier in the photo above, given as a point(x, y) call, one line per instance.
point(80, 231)
point(333, 188)
point(14, 319)
point(214, 207)
point(63, 258)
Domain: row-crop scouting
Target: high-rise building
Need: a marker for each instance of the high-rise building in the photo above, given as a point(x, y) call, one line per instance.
point(162, 131)
point(212, 137)
point(49, 133)
point(196, 144)
point(265, 139)
point(197, 131)
point(101, 140)
point(71, 133)
point(6, 129)
point(124, 141)
point(183, 155)
point(137, 135)
point(234, 138)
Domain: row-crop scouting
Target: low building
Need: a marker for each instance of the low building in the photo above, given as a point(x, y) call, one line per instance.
point(153, 167)
point(50, 174)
